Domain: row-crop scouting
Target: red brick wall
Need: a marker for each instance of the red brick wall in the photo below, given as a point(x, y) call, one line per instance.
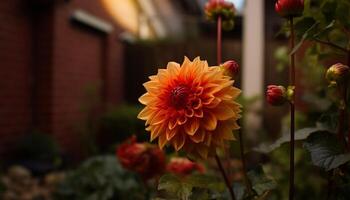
point(15, 71)
point(82, 58)
point(63, 59)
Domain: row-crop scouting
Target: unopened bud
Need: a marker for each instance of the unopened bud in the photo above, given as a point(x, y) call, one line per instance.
point(230, 68)
point(289, 8)
point(276, 95)
point(337, 73)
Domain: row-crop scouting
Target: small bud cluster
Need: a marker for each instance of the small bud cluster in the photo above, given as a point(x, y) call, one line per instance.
point(222, 8)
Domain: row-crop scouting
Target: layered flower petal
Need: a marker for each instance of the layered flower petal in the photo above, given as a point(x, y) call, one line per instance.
point(191, 106)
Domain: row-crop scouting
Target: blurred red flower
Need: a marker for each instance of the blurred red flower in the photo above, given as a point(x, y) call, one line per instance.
point(183, 166)
point(289, 8)
point(145, 159)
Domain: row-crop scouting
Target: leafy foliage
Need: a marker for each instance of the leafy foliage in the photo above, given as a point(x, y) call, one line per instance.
point(37, 146)
point(311, 187)
point(99, 178)
point(261, 184)
point(123, 121)
point(326, 151)
point(341, 190)
point(325, 21)
point(194, 187)
point(301, 134)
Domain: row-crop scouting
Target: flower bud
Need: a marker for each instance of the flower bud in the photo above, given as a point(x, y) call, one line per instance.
point(337, 73)
point(216, 8)
point(289, 8)
point(230, 68)
point(276, 95)
point(183, 166)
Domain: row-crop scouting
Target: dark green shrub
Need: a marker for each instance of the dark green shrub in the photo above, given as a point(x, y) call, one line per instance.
point(119, 123)
point(99, 178)
point(38, 152)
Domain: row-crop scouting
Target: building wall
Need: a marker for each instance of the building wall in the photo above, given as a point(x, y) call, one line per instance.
point(50, 63)
point(15, 66)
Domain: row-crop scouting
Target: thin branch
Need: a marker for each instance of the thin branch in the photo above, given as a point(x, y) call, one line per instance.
point(331, 44)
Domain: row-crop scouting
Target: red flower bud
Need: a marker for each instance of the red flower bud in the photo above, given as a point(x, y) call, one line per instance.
point(215, 8)
point(276, 95)
point(230, 68)
point(183, 166)
point(289, 8)
point(337, 73)
point(142, 158)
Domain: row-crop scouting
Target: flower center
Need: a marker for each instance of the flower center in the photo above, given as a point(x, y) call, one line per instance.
point(179, 96)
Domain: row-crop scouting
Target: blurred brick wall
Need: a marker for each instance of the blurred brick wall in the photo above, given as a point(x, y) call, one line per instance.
point(48, 62)
point(15, 62)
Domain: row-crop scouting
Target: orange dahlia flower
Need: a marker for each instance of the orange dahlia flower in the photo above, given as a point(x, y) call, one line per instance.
point(191, 107)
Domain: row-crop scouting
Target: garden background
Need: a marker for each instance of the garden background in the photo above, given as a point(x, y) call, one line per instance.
point(72, 72)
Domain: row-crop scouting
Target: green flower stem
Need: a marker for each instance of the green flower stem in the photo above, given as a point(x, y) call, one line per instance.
point(226, 179)
point(292, 112)
point(219, 41)
point(219, 57)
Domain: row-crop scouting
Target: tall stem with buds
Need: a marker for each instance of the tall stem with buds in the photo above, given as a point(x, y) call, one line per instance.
point(289, 10)
point(292, 112)
point(219, 58)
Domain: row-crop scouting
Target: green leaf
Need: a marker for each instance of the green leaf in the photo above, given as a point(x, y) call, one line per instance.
point(100, 178)
point(342, 13)
point(326, 29)
point(206, 182)
point(329, 10)
point(301, 134)
point(326, 152)
point(261, 183)
point(304, 24)
point(195, 186)
point(170, 183)
point(305, 36)
point(185, 191)
point(200, 194)
point(239, 190)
